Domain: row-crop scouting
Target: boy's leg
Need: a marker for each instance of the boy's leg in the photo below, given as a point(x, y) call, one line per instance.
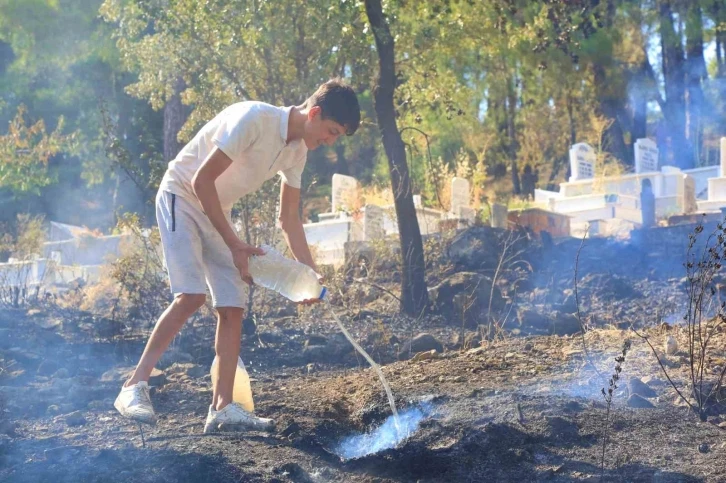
point(181, 242)
point(167, 327)
point(229, 296)
point(227, 346)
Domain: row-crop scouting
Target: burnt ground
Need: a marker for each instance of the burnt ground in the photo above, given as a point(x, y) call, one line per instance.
point(524, 408)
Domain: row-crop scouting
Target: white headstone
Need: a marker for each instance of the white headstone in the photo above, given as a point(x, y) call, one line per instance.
point(582, 161)
point(417, 201)
point(373, 222)
point(459, 194)
point(646, 156)
point(689, 195)
point(723, 157)
point(345, 191)
point(499, 216)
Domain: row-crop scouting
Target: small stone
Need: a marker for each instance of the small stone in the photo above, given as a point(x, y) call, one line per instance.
point(157, 378)
point(703, 448)
point(421, 343)
point(53, 410)
point(635, 401)
point(311, 368)
point(75, 418)
point(192, 370)
point(636, 386)
point(117, 374)
point(528, 347)
point(722, 425)
point(424, 356)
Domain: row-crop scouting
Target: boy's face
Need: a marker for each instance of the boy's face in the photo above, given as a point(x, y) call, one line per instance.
point(320, 131)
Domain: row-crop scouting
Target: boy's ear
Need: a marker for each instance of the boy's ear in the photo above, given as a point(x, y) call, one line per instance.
point(313, 112)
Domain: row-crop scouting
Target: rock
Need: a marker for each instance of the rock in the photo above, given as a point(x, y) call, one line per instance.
point(75, 418)
point(158, 378)
point(671, 345)
point(61, 453)
point(424, 356)
point(49, 324)
point(556, 323)
point(171, 356)
point(465, 296)
point(635, 401)
point(192, 370)
point(117, 374)
point(476, 248)
point(421, 343)
point(704, 448)
point(638, 387)
point(326, 349)
point(121, 374)
point(61, 373)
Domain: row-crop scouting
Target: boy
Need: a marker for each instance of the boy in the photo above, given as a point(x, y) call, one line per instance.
point(230, 157)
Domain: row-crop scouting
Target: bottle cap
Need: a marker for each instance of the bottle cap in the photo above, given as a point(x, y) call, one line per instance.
point(322, 293)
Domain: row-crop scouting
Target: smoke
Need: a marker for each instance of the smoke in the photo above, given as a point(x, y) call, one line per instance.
point(386, 436)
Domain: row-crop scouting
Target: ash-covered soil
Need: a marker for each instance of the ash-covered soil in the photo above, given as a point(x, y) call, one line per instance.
point(518, 409)
point(510, 395)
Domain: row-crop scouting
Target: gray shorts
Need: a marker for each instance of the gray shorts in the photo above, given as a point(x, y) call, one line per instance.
point(195, 255)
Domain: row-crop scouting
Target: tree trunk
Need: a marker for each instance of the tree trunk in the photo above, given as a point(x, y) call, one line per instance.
point(414, 297)
point(639, 102)
point(675, 87)
point(511, 113)
point(609, 107)
point(174, 119)
point(696, 73)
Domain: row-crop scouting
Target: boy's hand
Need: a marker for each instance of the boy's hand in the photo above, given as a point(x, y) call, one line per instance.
point(241, 254)
point(321, 280)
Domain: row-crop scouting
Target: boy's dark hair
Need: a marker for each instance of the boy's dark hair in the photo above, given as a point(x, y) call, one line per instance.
point(337, 102)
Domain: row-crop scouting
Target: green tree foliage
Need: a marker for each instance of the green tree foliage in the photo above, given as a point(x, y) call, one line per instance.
point(26, 150)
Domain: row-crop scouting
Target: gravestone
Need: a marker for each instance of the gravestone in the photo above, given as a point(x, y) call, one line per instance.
point(417, 203)
point(647, 203)
point(373, 223)
point(459, 194)
point(345, 192)
point(499, 216)
point(646, 156)
point(689, 195)
point(582, 162)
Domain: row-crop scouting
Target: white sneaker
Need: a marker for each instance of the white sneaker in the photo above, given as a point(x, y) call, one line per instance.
point(234, 417)
point(133, 402)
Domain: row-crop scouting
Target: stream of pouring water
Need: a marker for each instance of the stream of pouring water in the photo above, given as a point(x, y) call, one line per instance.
point(373, 364)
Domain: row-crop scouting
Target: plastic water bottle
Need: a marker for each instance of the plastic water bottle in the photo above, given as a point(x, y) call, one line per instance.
point(242, 391)
point(288, 277)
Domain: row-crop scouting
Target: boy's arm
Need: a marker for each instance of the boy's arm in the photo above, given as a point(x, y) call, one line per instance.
point(292, 226)
point(206, 191)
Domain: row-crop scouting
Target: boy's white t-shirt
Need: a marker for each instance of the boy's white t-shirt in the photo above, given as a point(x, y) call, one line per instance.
point(253, 135)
